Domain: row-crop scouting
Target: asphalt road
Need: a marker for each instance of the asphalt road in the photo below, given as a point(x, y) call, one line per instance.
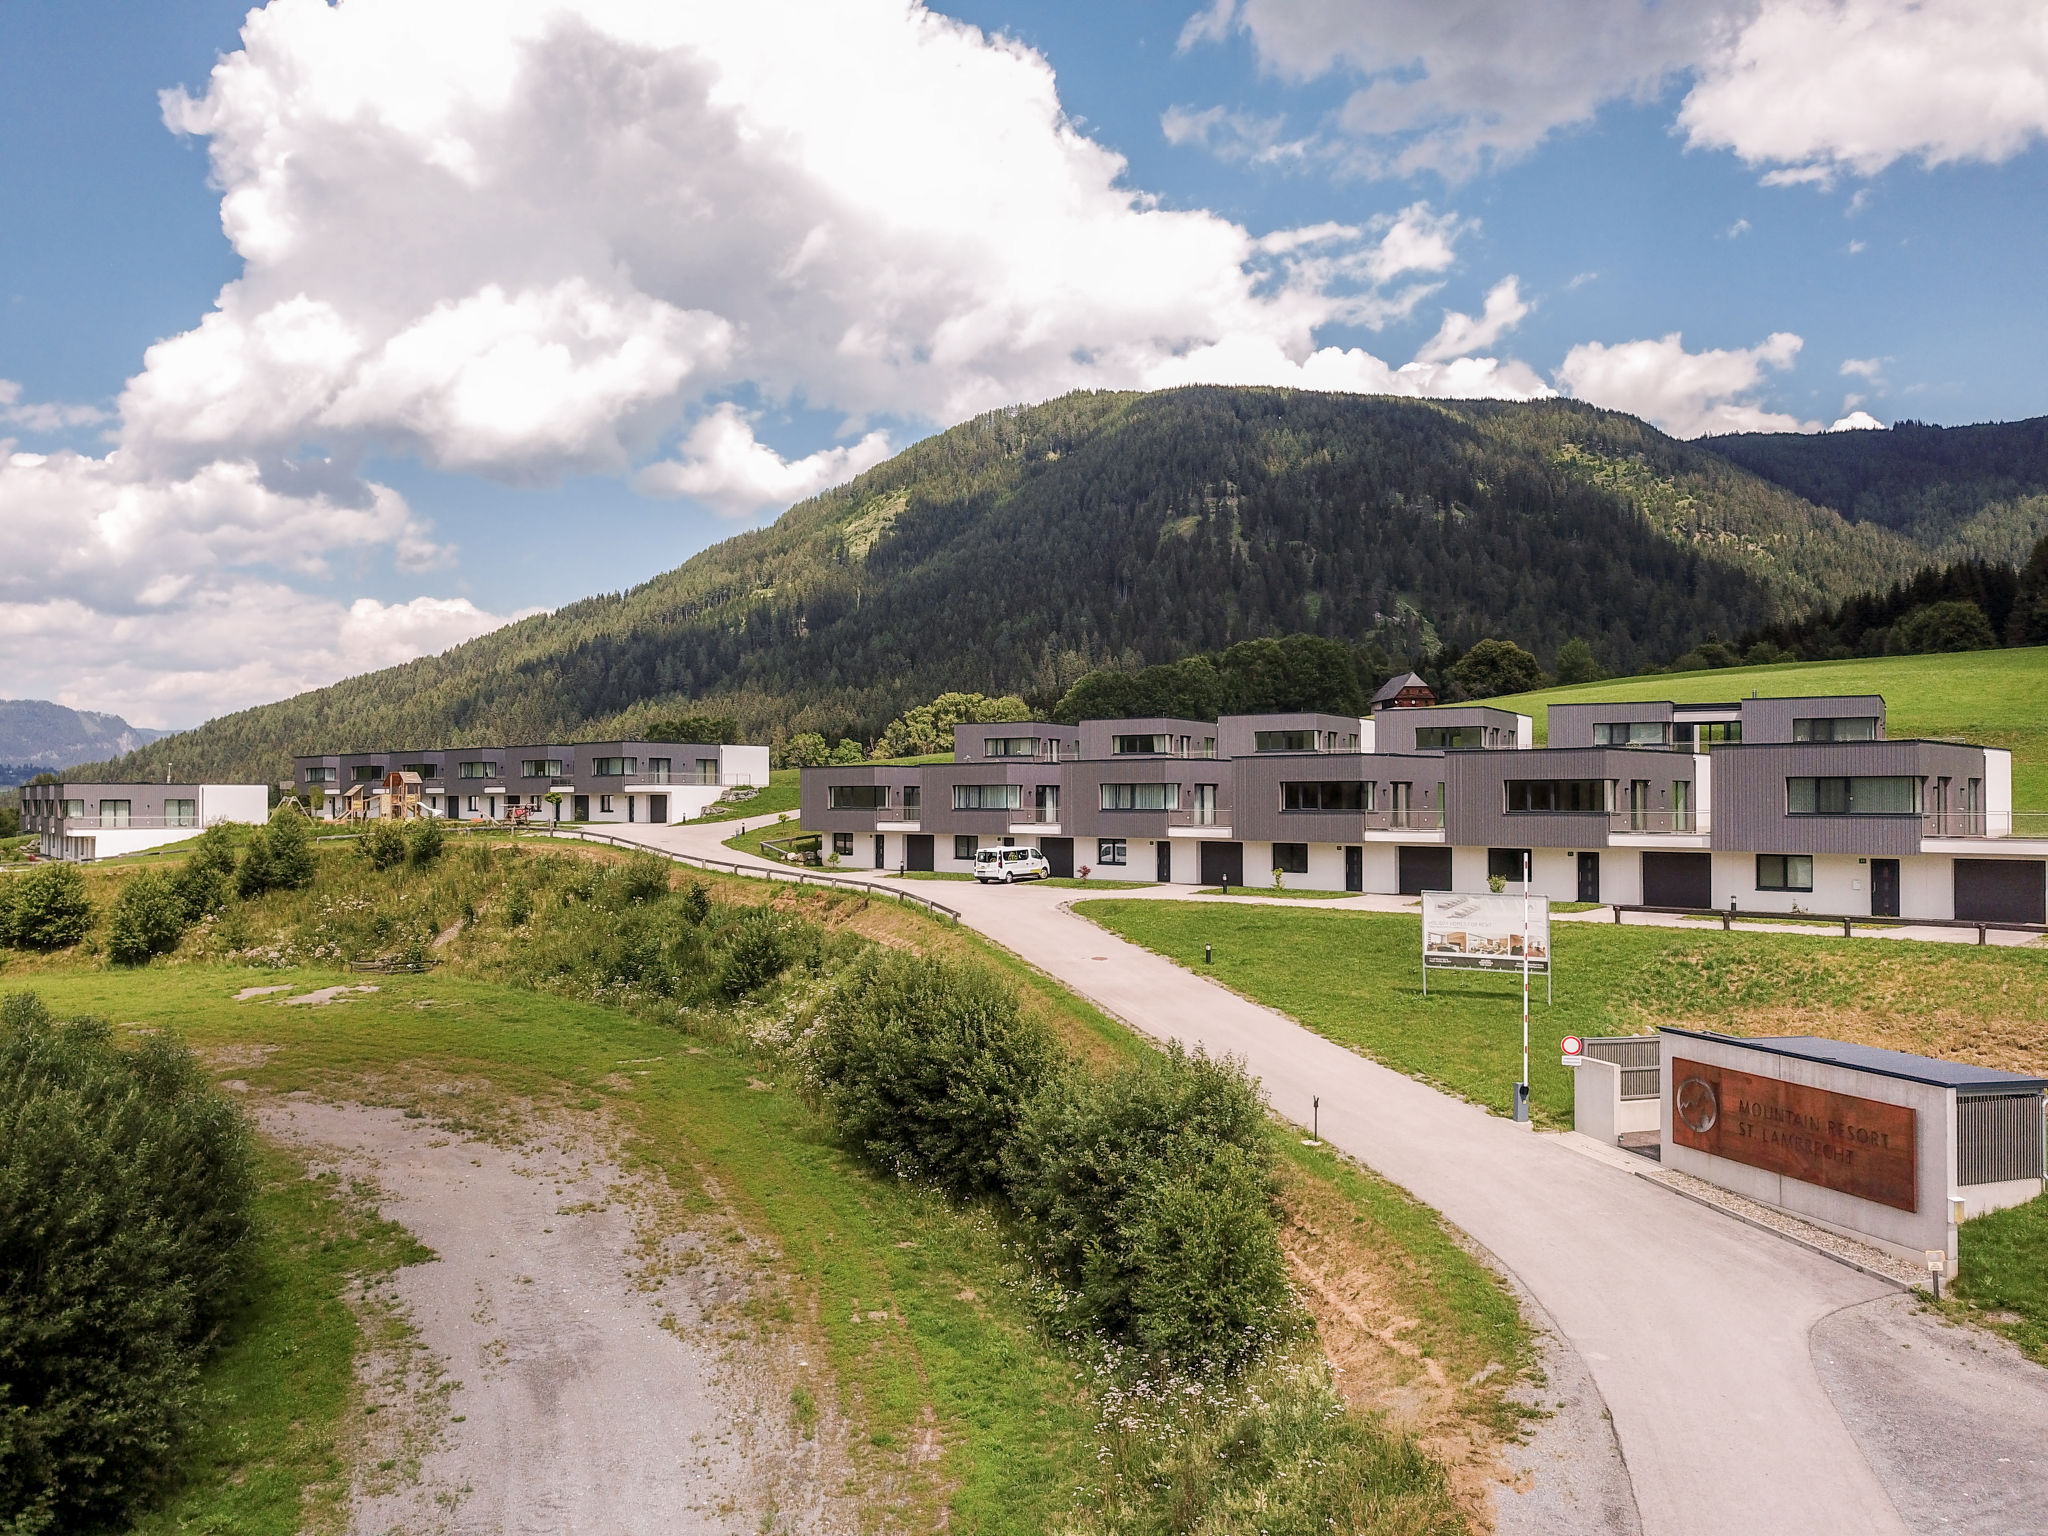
point(1698, 1331)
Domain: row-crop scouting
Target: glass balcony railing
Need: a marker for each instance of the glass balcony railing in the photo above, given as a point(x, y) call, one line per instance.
point(1674, 823)
point(1984, 824)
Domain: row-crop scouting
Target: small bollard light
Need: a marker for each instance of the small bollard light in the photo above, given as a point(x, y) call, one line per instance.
point(1208, 954)
point(1937, 1261)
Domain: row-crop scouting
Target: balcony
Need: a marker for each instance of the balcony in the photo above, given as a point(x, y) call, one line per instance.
point(1664, 823)
point(1403, 819)
point(78, 826)
point(1984, 824)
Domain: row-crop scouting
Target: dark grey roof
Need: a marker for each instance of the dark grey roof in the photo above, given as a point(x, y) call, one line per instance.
point(1869, 1058)
point(1395, 685)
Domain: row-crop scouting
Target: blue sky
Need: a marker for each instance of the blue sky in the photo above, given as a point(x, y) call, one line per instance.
point(521, 302)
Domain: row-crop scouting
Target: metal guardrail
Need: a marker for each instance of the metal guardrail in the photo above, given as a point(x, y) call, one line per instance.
point(1849, 921)
point(759, 872)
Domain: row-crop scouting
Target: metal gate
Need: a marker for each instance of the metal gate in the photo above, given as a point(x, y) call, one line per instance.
point(1998, 1137)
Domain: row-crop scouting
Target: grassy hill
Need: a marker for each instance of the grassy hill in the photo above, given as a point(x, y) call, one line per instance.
point(1996, 698)
point(1027, 546)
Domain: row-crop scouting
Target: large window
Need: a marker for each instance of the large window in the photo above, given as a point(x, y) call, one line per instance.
point(1560, 795)
point(318, 775)
point(1631, 733)
point(859, 797)
point(538, 768)
point(1687, 736)
point(1140, 797)
point(1507, 864)
point(424, 770)
point(965, 846)
point(1290, 858)
point(1887, 796)
point(842, 844)
point(476, 770)
point(1285, 741)
point(1109, 850)
point(1341, 795)
point(988, 797)
point(615, 767)
point(1784, 872)
point(1836, 728)
point(114, 813)
point(1122, 746)
point(1010, 746)
point(181, 813)
point(365, 772)
point(1449, 738)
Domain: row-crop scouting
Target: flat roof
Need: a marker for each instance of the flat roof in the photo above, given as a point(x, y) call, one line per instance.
point(1870, 1058)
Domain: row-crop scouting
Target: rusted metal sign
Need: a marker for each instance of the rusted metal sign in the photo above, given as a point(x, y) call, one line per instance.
point(1860, 1147)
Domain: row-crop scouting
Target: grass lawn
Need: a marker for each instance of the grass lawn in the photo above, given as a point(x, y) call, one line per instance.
point(780, 794)
point(1996, 698)
point(1267, 890)
point(750, 840)
point(2003, 1279)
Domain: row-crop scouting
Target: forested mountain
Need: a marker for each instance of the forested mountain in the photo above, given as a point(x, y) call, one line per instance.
point(1960, 492)
point(35, 733)
point(1021, 549)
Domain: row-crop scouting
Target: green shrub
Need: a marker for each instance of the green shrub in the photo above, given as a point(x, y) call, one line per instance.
point(280, 855)
point(757, 951)
point(125, 1189)
point(696, 903)
point(1104, 1169)
point(148, 917)
point(383, 845)
point(424, 840)
point(49, 908)
point(202, 889)
point(518, 905)
point(213, 850)
point(644, 878)
point(927, 1066)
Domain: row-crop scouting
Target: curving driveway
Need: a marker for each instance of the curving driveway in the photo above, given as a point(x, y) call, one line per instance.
point(1699, 1332)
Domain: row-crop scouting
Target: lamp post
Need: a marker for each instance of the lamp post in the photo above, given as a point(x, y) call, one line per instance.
point(1522, 1087)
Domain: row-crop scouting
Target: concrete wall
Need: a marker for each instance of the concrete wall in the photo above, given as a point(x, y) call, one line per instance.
point(1909, 1234)
point(1599, 1110)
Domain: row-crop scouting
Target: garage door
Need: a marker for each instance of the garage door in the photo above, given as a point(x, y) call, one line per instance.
point(917, 851)
point(2002, 890)
point(1678, 880)
point(1222, 862)
point(1059, 856)
point(1425, 869)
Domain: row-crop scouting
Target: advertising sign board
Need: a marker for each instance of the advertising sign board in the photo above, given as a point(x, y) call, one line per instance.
point(1856, 1146)
point(1483, 932)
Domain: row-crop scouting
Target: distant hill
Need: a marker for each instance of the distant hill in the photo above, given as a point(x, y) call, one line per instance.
point(1027, 546)
point(36, 734)
point(1958, 492)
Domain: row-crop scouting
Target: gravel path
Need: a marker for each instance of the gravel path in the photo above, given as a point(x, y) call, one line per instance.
point(571, 1375)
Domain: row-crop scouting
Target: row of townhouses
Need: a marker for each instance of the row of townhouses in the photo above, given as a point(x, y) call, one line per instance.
point(623, 781)
point(1770, 804)
point(82, 822)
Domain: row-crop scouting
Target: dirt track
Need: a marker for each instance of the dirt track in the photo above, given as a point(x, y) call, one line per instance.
point(575, 1369)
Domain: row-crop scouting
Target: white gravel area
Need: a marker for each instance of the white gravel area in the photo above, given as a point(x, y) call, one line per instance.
point(1862, 1255)
point(576, 1366)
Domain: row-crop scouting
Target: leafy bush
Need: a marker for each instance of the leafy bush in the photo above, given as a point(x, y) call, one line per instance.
point(1495, 667)
point(757, 951)
point(47, 908)
point(927, 1067)
point(202, 890)
point(643, 879)
point(148, 918)
point(696, 903)
point(213, 850)
point(125, 1189)
point(1140, 1190)
point(383, 845)
point(424, 841)
point(280, 856)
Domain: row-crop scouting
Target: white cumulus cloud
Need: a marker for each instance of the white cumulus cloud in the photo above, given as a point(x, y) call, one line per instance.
point(1805, 88)
point(1688, 394)
point(725, 467)
point(1461, 335)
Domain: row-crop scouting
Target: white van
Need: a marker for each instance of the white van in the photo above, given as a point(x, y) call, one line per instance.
point(1007, 864)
